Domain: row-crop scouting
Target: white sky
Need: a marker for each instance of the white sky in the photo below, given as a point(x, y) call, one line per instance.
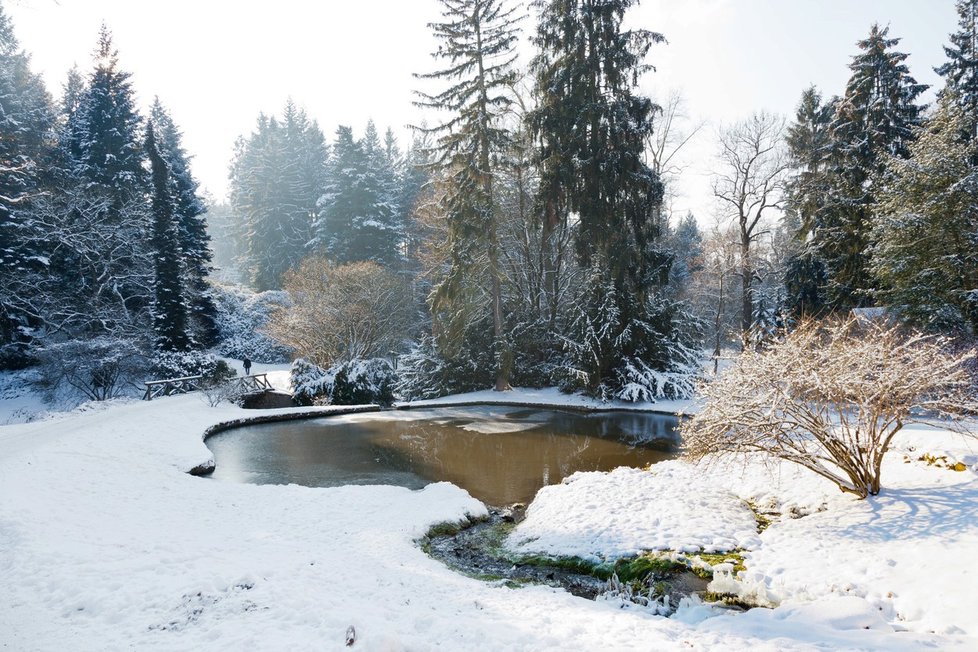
point(216, 64)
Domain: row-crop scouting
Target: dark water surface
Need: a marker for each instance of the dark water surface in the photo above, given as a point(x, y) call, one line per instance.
point(500, 455)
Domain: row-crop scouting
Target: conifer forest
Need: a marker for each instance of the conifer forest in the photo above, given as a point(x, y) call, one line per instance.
point(521, 235)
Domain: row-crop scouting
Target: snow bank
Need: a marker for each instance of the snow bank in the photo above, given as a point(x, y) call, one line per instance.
point(107, 543)
point(606, 515)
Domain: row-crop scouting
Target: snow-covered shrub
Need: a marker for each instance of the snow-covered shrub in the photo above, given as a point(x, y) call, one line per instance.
point(308, 382)
point(831, 396)
point(350, 383)
point(428, 371)
point(98, 369)
point(639, 352)
point(242, 316)
point(363, 381)
point(179, 364)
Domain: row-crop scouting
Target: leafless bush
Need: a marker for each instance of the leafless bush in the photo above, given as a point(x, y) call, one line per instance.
point(218, 391)
point(96, 370)
point(340, 313)
point(830, 396)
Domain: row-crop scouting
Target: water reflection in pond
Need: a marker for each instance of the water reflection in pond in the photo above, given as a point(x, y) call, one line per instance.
point(500, 455)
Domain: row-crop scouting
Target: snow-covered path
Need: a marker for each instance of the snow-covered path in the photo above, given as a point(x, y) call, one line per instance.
point(106, 543)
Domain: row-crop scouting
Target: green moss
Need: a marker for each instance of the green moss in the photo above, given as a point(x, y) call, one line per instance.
point(571, 564)
point(714, 558)
point(728, 599)
point(639, 568)
point(763, 519)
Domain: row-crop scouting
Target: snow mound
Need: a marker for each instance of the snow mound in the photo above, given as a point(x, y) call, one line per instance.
point(603, 515)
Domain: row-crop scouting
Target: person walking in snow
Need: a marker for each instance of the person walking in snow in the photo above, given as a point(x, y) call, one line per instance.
point(247, 366)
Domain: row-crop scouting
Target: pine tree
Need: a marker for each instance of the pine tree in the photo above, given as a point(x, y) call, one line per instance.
point(26, 117)
point(686, 244)
point(276, 179)
point(96, 207)
point(961, 69)
point(111, 155)
point(189, 213)
point(810, 148)
point(359, 214)
point(592, 127)
point(874, 119)
point(170, 323)
point(478, 39)
point(925, 252)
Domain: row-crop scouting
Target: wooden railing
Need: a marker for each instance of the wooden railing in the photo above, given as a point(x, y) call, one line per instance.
point(173, 386)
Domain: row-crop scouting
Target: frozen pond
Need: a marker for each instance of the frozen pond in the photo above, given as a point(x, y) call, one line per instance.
point(500, 455)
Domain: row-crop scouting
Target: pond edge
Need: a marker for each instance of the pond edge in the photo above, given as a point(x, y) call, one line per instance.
point(208, 467)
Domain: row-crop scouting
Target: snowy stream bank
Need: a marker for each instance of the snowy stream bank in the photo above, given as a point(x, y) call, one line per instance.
point(107, 543)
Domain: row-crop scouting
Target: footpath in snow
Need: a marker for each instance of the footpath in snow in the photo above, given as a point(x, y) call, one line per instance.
point(107, 543)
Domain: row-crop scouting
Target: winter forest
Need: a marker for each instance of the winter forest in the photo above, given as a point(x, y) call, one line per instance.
point(521, 237)
point(566, 343)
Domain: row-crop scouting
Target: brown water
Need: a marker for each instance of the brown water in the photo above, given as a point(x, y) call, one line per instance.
point(500, 455)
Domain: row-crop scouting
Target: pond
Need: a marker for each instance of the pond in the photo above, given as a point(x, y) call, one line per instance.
point(501, 455)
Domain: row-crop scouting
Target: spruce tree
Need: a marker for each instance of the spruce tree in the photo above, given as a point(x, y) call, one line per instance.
point(961, 69)
point(592, 127)
point(810, 148)
point(108, 128)
point(170, 323)
point(189, 213)
point(925, 252)
point(276, 179)
point(478, 39)
point(874, 119)
point(359, 215)
point(26, 117)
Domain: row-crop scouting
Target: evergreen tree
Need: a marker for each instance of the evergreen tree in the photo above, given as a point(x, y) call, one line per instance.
point(686, 244)
point(478, 38)
point(342, 203)
point(592, 128)
point(359, 214)
point(874, 119)
point(276, 179)
point(925, 252)
point(189, 213)
point(961, 68)
point(26, 118)
point(108, 128)
point(810, 148)
point(96, 208)
point(170, 323)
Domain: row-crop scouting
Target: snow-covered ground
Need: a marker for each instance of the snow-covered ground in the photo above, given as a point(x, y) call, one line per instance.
point(107, 543)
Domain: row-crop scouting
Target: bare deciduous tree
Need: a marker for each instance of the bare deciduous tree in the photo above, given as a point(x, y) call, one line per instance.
point(750, 186)
point(342, 313)
point(830, 396)
point(714, 288)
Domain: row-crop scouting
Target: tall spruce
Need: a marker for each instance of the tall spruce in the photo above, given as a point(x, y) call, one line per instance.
point(108, 128)
point(97, 200)
point(170, 322)
point(359, 217)
point(478, 39)
point(26, 119)
point(276, 179)
point(189, 213)
point(591, 128)
point(961, 68)
point(875, 118)
point(925, 252)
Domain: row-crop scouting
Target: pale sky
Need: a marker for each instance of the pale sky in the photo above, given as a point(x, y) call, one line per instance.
point(216, 64)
